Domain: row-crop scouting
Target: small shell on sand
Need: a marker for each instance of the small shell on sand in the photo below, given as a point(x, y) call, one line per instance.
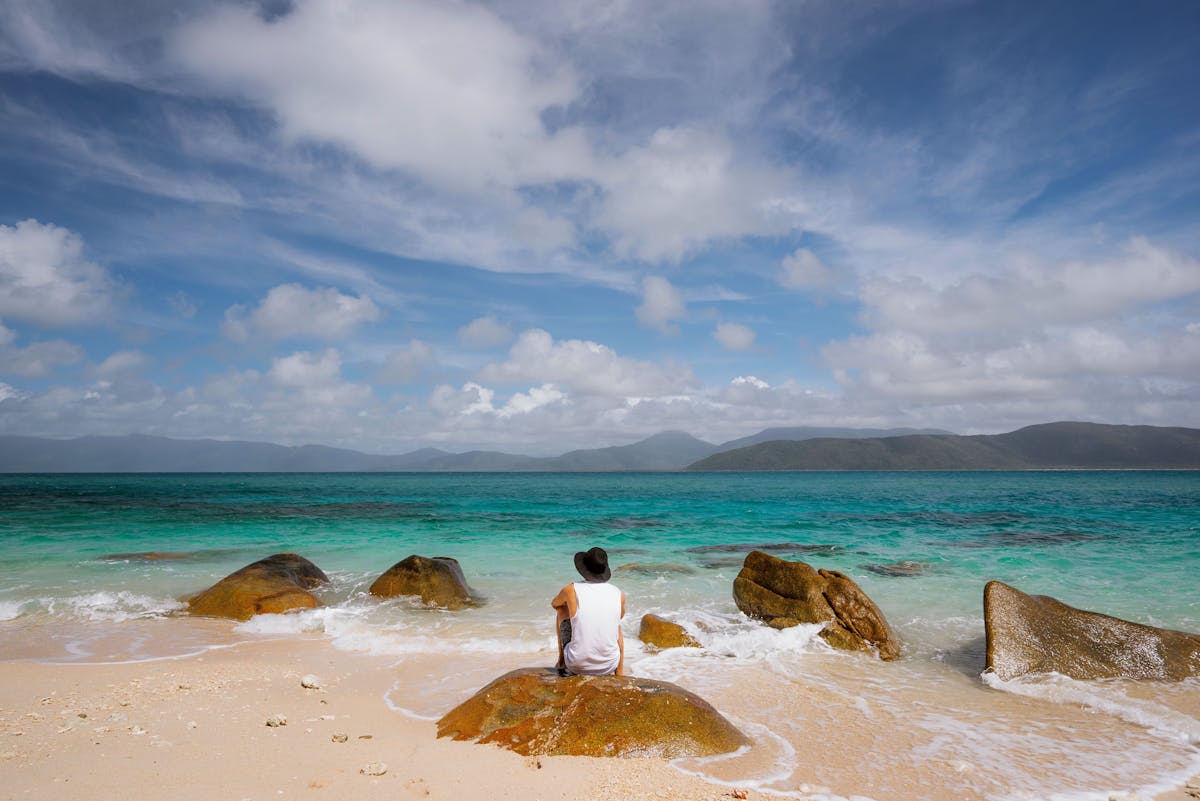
point(276, 721)
point(310, 682)
point(340, 737)
point(373, 769)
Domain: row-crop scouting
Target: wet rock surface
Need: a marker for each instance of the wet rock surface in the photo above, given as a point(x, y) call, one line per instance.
point(535, 712)
point(1040, 634)
point(276, 584)
point(437, 581)
point(785, 594)
point(661, 633)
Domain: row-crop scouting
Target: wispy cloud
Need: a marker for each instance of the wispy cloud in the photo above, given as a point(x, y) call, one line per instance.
point(532, 224)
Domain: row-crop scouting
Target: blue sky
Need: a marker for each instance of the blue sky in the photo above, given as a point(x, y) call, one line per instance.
point(539, 226)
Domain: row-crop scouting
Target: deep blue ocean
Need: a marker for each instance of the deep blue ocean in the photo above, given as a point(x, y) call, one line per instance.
point(73, 585)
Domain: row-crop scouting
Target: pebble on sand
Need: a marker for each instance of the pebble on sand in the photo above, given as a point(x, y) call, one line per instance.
point(373, 769)
point(276, 720)
point(310, 682)
point(340, 737)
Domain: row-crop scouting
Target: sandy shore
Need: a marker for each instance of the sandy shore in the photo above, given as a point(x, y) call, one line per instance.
point(196, 728)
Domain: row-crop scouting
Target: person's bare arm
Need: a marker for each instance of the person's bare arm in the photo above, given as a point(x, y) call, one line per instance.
point(621, 662)
point(565, 602)
point(621, 640)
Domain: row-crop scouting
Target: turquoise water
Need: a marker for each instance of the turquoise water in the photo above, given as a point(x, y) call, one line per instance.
point(1110, 541)
point(1122, 543)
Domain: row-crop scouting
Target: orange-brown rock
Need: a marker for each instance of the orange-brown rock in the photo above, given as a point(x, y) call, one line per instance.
point(437, 582)
point(785, 594)
point(664, 634)
point(279, 583)
point(1039, 634)
point(534, 711)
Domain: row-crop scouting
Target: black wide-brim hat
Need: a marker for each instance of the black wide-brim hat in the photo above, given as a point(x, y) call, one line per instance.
point(593, 565)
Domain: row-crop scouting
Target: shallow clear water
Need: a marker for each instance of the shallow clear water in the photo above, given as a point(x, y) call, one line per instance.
point(1123, 543)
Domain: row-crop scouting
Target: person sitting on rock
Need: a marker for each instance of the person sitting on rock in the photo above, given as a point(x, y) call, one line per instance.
point(588, 620)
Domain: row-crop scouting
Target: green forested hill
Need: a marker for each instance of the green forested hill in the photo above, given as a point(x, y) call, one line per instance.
point(1050, 445)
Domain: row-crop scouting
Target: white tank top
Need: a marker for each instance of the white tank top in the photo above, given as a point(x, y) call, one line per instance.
point(593, 648)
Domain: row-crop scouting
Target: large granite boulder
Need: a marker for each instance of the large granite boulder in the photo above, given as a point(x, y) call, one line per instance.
point(437, 582)
point(279, 583)
point(785, 594)
point(534, 711)
point(1039, 634)
point(662, 633)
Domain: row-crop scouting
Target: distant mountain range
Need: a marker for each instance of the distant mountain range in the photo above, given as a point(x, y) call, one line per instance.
point(1052, 445)
point(135, 453)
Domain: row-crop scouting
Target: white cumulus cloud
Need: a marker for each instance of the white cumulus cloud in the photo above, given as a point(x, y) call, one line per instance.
point(683, 189)
point(661, 304)
point(45, 279)
point(582, 366)
point(122, 363)
point(38, 359)
point(1078, 335)
point(447, 91)
point(407, 363)
point(484, 332)
point(1032, 293)
point(307, 369)
point(472, 398)
point(535, 398)
point(292, 311)
point(734, 336)
point(805, 270)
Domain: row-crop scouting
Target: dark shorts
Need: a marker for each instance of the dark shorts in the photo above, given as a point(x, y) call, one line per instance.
point(564, 637)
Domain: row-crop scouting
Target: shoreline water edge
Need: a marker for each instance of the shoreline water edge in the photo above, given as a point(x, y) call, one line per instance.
point(90, 619)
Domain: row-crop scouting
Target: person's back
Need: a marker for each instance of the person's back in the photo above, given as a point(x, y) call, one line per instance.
point(594, 648)
point(588, 619)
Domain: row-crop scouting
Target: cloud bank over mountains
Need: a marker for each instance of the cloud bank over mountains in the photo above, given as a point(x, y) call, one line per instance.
point(533, 226)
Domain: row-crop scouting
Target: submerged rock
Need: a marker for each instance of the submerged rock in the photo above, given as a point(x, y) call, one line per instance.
point(147, 556)
point(904, 568)
point(279, 583)
point(1039, 634)
point(535, 712)
point(785, 594)
point(655, 569)
point(721, 562)
point(664, 634)
point(437, 582)
point(769, 547)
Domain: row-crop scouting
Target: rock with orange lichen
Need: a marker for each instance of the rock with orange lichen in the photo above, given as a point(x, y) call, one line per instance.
point(536, 712)
point(437, 581)
point(662, 633)
point(279, 583)
point(785, 594)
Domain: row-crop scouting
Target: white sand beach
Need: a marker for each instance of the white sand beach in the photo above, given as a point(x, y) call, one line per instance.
point(197, 728)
